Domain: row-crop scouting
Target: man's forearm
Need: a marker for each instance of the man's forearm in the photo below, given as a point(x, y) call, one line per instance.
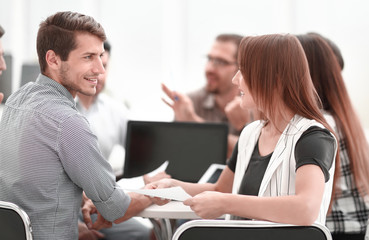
point(138, 203)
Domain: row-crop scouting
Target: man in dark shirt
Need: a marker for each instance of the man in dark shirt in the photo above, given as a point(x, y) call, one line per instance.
point(218, 100)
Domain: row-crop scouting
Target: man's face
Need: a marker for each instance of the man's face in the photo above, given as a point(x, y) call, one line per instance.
point(221, 67)
point(81, 71)
point(2, 61)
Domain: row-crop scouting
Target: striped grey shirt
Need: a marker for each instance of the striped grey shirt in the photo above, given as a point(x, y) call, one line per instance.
point(48, 156)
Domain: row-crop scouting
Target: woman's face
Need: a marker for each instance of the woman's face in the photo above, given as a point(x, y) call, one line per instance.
point(247, 101)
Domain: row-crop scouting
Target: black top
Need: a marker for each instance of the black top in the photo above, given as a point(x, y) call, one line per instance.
point(315, 146)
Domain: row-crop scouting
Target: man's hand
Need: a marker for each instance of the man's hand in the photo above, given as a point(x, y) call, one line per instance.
point(1, 97)
point(237, 116)
point(89, 208)
point(101, 223)
point(86, 234)
point(182, 106)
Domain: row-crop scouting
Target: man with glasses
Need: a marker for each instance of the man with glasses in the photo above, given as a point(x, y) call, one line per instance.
point(218, 100)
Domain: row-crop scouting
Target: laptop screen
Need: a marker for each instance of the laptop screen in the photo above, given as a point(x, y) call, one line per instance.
point(190, 148)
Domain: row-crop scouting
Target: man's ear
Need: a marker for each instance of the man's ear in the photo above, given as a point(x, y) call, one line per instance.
point(53, 61)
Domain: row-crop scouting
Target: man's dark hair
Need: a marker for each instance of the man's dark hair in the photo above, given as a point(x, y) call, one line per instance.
point(58, 33)
point(229, 37)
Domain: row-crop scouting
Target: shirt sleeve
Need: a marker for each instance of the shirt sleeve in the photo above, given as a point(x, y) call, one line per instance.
point(83, 162)
point(316, 146)
point(231, 163)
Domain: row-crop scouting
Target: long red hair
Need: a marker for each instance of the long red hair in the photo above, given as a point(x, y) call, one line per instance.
point(275, 67)
point(327, 78)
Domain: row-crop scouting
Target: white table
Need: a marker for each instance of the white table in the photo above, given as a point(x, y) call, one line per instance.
point(171, 210)
point(160, 217)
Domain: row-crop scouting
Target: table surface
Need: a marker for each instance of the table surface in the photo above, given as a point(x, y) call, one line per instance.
point(171, 210)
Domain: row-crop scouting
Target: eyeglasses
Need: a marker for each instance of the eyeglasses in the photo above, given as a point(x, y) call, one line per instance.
point(218, 62)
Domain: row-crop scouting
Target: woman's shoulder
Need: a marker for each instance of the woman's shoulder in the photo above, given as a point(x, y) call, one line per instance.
point(253, 125)
point(251, 129)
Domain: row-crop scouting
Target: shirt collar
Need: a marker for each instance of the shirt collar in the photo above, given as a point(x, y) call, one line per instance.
point(209, 101)
point(44, 80)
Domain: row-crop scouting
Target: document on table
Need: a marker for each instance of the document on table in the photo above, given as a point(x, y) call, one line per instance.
point(173, 193)
point(138, 182)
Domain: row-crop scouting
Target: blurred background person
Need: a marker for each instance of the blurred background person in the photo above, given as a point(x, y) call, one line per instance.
point(349, 211)
point(108, 120)
point(107, 117)
point(209, 104)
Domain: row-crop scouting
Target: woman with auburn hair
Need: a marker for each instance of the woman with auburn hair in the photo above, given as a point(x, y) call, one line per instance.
point(282, 167)
point(349, 214)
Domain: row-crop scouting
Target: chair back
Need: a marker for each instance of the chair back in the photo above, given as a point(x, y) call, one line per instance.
point(14, 222)
point(261, 230)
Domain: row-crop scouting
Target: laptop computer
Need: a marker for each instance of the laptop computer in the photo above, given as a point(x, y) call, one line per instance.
point(190, 148)
point(213, 173)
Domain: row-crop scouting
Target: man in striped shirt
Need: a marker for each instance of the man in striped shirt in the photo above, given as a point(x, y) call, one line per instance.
point(48, 154)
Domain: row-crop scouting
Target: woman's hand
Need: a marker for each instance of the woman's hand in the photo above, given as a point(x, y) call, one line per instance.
point(207, 205)
point(161, 175)
point(163, 183)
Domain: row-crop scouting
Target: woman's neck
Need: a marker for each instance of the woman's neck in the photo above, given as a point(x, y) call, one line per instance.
point(281, 119)
point(272, 131)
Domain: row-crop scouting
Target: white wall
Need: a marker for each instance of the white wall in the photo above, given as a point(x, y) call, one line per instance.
point(157, 41)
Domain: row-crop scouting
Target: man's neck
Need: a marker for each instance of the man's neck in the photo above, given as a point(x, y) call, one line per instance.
point(85, 100)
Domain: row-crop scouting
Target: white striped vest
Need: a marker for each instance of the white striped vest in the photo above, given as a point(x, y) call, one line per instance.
point(279, 178)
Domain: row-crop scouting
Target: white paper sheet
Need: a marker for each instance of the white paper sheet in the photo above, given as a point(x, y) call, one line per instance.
point(173, 193)
point(138, 182)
